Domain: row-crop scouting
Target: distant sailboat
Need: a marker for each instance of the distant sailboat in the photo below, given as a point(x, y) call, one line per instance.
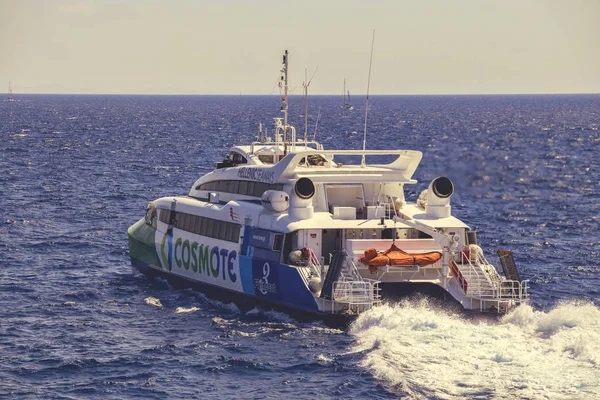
point(10, 98)
point(347, 104)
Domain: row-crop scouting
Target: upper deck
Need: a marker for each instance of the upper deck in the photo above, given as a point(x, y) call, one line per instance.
point(274, 163)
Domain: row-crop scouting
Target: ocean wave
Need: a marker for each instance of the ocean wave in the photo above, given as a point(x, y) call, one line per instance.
point(526, 354)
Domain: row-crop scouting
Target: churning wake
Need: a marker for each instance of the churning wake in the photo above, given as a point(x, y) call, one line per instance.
point(423, 352)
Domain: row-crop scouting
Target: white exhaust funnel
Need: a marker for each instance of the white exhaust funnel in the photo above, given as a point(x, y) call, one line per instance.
point(301, 199)
point(438, 197)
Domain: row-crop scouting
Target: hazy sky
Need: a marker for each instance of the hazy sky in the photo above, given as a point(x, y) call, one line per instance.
point(233, 46)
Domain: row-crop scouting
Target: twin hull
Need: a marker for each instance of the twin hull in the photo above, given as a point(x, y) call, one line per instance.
point(249, 267)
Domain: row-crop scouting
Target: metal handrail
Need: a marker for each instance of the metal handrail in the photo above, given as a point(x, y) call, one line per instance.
point(517, 291)
point(471, 270)
point(361, 294)
point(357, 292)
point(313, 263)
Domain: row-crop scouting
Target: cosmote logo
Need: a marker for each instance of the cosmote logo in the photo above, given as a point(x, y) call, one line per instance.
point(203, 259)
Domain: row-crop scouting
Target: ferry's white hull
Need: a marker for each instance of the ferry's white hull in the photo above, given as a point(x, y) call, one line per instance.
point(228, 271)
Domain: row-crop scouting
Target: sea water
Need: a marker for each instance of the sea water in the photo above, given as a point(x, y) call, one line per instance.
point(76, 322)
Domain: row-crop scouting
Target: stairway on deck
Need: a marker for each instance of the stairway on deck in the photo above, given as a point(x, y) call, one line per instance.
point(358, 292)
point(478, 284)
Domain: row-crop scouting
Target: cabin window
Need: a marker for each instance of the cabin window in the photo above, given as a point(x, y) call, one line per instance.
point(210, 227)
point(266, 159)
point(176, 220)
point(257, 190)
point(193, 223)
point(222, 227)
point(251, 188)
point(277, 242)
point(230, 232)
point(203, 226)
point(260, 188)
point(236, 232)
point(221, 230)
point(291, 241)
point(244, 188)
point(163, 216)
point(239, 159)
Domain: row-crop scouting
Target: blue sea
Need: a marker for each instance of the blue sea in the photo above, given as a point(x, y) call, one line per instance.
point(77, 323)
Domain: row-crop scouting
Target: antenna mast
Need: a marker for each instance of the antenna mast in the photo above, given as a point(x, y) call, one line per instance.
point(305, 104)
point(284, 101)
point(367, 105)
point(306, 84)
point(317, 124)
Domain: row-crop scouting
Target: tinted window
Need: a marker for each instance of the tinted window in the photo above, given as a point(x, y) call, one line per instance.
point(210, 227)
point(245, 188)
point(277, 242)
point(163, 216)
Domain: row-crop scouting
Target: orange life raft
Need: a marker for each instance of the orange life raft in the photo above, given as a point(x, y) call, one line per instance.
point(395, 256)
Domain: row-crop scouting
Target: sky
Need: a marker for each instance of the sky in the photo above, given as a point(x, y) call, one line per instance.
point(235, 46)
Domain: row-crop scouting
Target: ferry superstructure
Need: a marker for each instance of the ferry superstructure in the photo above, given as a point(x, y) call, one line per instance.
point(283, 223)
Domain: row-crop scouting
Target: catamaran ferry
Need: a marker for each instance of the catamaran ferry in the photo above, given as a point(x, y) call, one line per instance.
point(281, 222)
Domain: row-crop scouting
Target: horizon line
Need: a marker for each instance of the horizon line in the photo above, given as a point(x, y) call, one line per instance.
point(301, 95)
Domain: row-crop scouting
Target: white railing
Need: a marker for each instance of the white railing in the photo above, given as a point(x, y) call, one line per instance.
point(359, 295)
point(471, 276)
point(313, 263)
point(514, 290)
point(483, 282)
point(351, 291)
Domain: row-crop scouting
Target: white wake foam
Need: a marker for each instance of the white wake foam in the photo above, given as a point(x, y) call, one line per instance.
point(153, 301)
point(182, 310)
point(423, 352)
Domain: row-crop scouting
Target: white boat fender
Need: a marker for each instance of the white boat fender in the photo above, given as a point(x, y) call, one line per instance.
point(314, 284)
point(475, 252)
point(398, 203)
point(295, 257)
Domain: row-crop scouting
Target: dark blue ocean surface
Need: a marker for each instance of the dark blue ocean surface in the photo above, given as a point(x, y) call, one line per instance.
point(75, 322)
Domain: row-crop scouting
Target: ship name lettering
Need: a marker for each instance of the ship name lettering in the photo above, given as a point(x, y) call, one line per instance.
point(257, 174)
